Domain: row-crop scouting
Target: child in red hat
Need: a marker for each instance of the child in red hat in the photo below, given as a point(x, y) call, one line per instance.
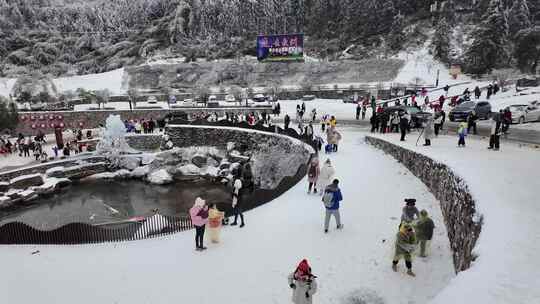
point(303, 284)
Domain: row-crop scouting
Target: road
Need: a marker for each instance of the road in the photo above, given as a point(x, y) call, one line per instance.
point(483, 128)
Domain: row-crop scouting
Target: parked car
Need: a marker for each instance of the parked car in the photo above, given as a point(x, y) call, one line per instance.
point(259, 98)
point(462, 111)
point(308, 97)
point(188, 103)
point(524, 113)
point(417, 116)
point(212, 98)
point(212, 104)
point(151, 99)
point(230, 98)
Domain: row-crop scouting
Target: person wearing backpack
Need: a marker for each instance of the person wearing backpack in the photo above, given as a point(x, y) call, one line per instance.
point(199, 218)
point(313, 174)
point(325, 176)
point(303, 284)
point(331, 198)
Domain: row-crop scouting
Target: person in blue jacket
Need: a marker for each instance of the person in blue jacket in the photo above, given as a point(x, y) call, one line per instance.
point(332, 207)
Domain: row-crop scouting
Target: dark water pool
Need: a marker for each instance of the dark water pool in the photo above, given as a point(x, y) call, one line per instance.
point(103, 201)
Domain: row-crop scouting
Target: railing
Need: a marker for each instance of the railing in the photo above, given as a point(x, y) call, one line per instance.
point(79, 233)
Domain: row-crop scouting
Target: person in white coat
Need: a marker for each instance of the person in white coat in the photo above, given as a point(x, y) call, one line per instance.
point(303, 284)
point(237, 202)
point(326, 176)
point(429, 131)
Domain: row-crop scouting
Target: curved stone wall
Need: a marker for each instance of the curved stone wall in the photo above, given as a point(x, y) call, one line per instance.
point(457, 205)
point(274, 157)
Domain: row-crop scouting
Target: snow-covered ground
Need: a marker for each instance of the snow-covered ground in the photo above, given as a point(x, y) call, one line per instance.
point(504, 185)
point(112, 80)
point(251, 264)
point(420, 64)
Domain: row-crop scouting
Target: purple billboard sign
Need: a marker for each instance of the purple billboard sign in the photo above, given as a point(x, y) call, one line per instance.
point(280, 48)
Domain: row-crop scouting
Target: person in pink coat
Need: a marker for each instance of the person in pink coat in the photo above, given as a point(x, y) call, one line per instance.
point(314, 171)
point(199, 218)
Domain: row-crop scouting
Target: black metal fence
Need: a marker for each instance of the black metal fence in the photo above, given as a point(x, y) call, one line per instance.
point(79, 233)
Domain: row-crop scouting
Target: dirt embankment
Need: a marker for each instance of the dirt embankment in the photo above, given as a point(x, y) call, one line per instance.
point(252, 73)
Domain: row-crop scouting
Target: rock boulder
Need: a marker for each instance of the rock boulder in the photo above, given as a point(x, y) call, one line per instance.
point(26, 181)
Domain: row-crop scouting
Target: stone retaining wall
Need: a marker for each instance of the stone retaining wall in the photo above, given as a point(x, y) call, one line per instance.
point(145, 142)
point(274, 156)
point(42, 168)
point(457, 205)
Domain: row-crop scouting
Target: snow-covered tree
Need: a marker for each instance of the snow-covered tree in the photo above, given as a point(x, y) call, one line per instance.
point(440, 45)
point(397, 37)
point(527, 50)
point(489, 48)
point(518, 17)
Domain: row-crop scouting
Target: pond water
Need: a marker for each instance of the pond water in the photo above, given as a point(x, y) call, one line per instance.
point(105, 201)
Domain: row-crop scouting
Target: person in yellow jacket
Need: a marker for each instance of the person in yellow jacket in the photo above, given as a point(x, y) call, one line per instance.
point(405, 246)
point(215, 218)
point(333, 121)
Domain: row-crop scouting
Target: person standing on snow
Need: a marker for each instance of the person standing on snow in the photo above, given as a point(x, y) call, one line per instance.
point(199, 218)
point(364, 109)
point(331, 198)
point(326, 175)
point(215, 218)
point(314, 171)
point(237, 201)
point(424, 232)
point(403, 124)
point(394, 122)
point(309, 131)
point(287, 121)
point(462, 133)
point(374, 120)
point(471, 123)
point(494, 139)
point(303, 283)
point(313, 114)
point(410, 212)
point(358, 110)
point(477, 92)
point(428, 131)
point(404, 248)
point(437, 122)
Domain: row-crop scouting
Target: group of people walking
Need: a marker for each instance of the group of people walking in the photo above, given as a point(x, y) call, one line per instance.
point(416, 228)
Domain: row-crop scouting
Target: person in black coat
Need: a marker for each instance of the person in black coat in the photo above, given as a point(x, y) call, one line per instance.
point(358, 110)
point(403, 124)
point(477, 92)
point(287, 121)
point(384, 122)
point(494, 139)
point(471, 122)
point(374, 120)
